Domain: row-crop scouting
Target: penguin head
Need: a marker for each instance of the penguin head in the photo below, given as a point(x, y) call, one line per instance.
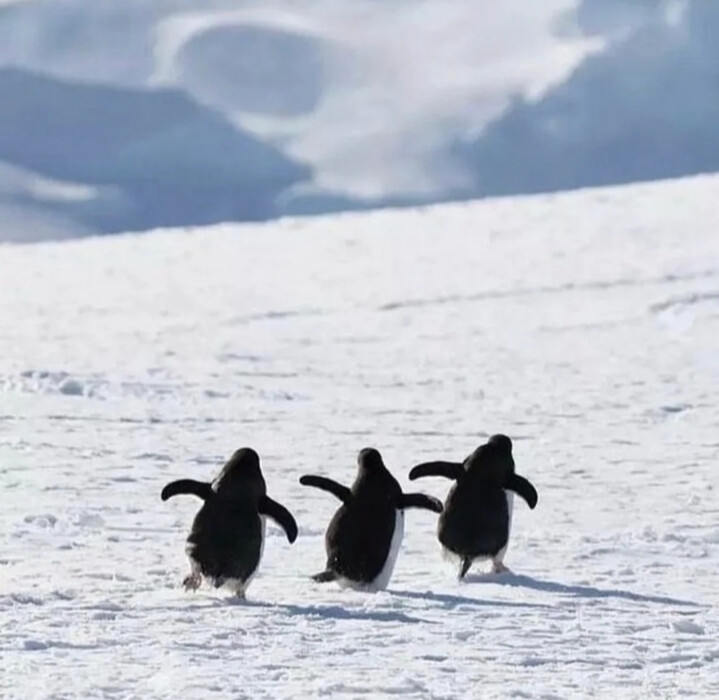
point(372, 470)
point(370, 460)
point(241, 473)
point(492, 462)
point(501, 443)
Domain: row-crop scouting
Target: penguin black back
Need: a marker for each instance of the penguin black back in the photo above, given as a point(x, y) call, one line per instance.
point(476, 519)
point(359, 536)
point(364, 534)
point(226, 541)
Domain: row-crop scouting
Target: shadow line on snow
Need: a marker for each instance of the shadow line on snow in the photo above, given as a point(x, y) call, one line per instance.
point(326, 612)
point(548, 289)
point(522, 581)
point(450, 601)
point(334, 612)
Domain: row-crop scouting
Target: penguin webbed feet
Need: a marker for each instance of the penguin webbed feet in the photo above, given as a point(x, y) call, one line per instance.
point(325, 576)
point(192, 581)
point(499, 568)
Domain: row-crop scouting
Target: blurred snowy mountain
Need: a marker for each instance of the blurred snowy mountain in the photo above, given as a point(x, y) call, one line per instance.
point(128, 116)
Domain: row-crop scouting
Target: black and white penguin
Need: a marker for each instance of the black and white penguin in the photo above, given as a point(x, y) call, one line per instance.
point(477, 516)
point(227, 538)
point(365, 534)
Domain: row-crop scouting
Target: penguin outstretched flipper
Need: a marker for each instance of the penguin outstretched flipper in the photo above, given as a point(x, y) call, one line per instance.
point(419, 500)
point(449, 470)
point(524, 488)
point(189, 487)
point(280, 515)
point(321, 482)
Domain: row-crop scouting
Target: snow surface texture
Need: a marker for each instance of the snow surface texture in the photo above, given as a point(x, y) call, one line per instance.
point(127, 116)
point(583, 325)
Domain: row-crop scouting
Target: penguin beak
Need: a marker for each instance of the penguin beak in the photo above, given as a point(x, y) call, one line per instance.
point(523, 487)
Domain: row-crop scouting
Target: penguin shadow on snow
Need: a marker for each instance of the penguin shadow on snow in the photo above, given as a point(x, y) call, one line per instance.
point(523, 581)
point(207, 603)
point(450, 601)
point(333, 612)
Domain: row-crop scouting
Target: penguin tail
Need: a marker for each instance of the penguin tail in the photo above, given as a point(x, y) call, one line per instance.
point(325, 576)
point(466, 563)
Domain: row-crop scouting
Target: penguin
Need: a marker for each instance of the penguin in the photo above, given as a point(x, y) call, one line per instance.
point(365, 534)
point(477, 516)
point(227, 538)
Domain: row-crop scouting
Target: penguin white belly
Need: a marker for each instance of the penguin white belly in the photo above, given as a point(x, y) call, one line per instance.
point(382, 579)
point(509, 495)
point(450, 556)
point(235, 584)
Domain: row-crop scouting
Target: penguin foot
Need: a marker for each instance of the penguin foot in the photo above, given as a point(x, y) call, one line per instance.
point(325, 577)
point(499, 568)
point(192, 581)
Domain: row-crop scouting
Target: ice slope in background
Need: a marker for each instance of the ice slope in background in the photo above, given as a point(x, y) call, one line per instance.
point(584, 325)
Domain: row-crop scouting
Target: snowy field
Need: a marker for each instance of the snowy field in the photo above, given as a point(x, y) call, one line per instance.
point(583, 325)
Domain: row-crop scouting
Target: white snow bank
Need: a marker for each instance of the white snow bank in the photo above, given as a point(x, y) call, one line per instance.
point(418, 332)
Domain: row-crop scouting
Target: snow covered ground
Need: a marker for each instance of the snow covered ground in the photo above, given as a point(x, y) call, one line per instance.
point(583, 325)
